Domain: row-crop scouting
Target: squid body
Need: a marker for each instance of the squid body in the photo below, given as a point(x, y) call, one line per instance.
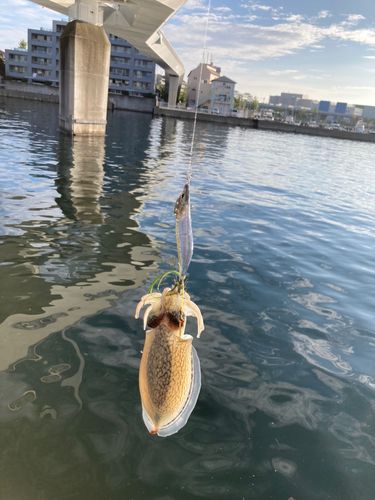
point(169, 375)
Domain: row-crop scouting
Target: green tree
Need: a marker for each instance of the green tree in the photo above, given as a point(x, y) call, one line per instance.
point(182, 96)
point(237, 102)
point(22, 44)
point(314, 113)
point(302, 115)
point(163, 92)
point(254, 104)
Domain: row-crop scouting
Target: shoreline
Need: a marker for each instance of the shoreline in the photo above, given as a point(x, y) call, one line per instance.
point(129, 103)
point(263, 125)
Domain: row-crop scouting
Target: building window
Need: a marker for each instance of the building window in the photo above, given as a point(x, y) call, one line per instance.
point(142, 74)
point(120, 60)
point(17, 58)
point(119, 71)
point(41, 38)
point(18, 69)
point(41, 50)
point(42, 60)
point(41, 72)
point(141, 62)
point(118, 82)
point(60, 28)
point(121, 49)
point(141, 85)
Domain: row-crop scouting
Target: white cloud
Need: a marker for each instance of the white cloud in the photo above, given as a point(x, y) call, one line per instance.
point(295, 18)
point(194, 4)
point(261, 7)
point(324, 14)
point(285, 71)
point(223, 9)
point(362, 36)
point(352, 20)
point(369, 57)
point(355, 17)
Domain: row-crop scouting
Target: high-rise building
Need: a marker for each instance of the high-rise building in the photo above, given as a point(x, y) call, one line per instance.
point(129, 69)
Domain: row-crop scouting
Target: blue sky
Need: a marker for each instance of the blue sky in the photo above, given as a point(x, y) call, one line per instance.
point(325, 49)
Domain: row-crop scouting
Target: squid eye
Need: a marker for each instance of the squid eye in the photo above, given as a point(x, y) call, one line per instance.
point(183, 196)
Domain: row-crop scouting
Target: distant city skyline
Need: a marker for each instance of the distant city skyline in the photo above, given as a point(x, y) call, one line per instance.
point(325, 49)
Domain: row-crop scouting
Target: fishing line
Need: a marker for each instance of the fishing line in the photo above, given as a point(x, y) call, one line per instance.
point(188, 173)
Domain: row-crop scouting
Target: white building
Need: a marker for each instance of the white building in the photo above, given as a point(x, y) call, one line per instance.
point(215, 91)
point(206, 74)
point(222, 94)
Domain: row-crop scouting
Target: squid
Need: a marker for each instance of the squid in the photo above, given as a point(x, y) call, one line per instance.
point(169, 375)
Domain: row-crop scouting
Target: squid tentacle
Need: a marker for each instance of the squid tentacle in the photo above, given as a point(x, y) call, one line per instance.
point(191, 309)
point(151, 298)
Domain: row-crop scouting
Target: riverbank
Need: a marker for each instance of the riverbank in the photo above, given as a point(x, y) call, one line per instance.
point(47, 93)
point(30, 91)
point(273, 126)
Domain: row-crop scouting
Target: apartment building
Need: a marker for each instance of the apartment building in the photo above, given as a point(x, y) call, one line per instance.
point(129, 69)
point(206, 74)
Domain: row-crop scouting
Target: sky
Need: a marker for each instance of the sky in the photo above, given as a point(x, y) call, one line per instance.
point(322, 48)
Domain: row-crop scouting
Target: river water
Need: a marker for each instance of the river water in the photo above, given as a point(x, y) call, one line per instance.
point(283, 271)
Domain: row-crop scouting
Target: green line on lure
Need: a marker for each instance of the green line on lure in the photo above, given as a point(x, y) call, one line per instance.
point(161, 277)
point(184, 231)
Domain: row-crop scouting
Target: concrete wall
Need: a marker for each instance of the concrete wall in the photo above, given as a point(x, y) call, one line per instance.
point(51, 94)
point(263, 125)
point(130, 103)
point(30, 91)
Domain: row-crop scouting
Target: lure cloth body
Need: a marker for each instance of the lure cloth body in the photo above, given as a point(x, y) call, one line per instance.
point(169, 375)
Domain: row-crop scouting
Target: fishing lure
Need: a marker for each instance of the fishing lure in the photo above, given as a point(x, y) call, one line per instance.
point(169, 375)
point(184, 231)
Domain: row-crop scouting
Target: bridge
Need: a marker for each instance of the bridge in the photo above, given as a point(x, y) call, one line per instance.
point(139, 22)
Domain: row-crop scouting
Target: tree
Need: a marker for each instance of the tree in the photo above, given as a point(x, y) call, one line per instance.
point(254, 104)
point(237, 102)
point(162, 92)
point(314, 113)
point(182, 96)
point(302, 114)
point(22, 44)
point(2, 68)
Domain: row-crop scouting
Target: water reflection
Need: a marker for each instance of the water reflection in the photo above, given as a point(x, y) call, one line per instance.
point(80, 177)
point(65, 267)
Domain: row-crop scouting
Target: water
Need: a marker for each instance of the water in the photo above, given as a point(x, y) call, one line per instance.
point(283, 271)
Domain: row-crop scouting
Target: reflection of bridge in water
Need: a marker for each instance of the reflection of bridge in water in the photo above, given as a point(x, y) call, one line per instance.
point(76, 265)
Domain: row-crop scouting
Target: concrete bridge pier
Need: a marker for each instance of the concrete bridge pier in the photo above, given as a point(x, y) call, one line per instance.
point(84, 73)
point(172, 91)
